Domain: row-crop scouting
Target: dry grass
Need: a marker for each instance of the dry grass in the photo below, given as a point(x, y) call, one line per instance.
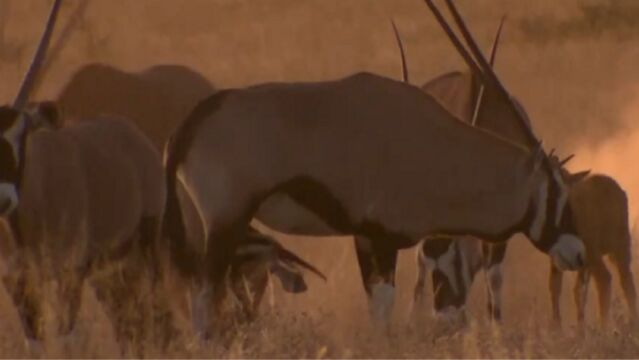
point(578, 85)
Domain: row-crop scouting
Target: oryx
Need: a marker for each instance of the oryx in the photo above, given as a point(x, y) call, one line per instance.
point(370, 156)
point(600, 208)
point(456, 261)
point(163, 95)
point(76, 197)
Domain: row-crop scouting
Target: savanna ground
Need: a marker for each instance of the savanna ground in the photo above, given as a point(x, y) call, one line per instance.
point(572, 64)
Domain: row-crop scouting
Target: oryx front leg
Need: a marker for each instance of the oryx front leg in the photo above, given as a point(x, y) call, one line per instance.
point(493, 259)
point(377, 265)
point(424, 266)
point(555, 283)
point(581, 294)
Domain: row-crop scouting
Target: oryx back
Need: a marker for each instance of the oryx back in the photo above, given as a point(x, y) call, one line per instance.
point(338, 140)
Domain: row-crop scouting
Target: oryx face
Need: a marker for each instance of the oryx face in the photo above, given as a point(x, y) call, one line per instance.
point(10, 123)
point(559, 236)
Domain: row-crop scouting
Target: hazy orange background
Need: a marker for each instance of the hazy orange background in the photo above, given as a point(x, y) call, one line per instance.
point(578, 80)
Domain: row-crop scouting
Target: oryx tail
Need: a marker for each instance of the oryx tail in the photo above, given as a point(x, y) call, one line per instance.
point(176, 149)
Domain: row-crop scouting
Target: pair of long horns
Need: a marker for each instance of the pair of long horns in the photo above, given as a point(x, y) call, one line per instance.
point(477, 62)
point(36, 63)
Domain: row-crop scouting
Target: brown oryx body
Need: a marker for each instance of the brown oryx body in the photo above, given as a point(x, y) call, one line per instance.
point(364, 154)
point(88, 194)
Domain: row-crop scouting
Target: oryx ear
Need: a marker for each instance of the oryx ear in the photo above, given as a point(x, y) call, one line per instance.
point(577, 177)
point(292, 281)
point(8, 116)
point(46, 114)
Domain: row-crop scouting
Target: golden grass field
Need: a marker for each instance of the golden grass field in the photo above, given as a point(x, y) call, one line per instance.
point(573, 64)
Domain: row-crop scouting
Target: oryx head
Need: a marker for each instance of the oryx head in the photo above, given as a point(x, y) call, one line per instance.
point(453, 263)
point(17, 120)
point(280, 262)
point(549, 219)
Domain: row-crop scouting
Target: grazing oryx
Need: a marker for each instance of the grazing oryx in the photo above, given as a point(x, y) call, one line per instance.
point(600, 209)
point(370, 156)
point(86, 195)
point(164, 94)
point(456, 261)
point(77, 199)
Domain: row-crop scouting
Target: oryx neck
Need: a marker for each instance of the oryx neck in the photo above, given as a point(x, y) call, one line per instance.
point(544, 223)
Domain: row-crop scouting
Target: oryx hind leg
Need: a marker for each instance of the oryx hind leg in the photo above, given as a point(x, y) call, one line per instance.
point(119, 293)
point(157, 310)
point(23, 285)
point(377, 263)
point(623, 264)
point(70, 294)
point(221, 246)
point(493, 255)
point(555, 284)
point(603, 280)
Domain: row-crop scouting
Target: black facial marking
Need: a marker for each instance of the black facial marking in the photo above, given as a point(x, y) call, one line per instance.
point(551, 232)
point(8, 167)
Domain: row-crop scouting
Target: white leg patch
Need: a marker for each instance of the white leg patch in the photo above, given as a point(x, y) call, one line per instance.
point(446, 264)
point(381, 302)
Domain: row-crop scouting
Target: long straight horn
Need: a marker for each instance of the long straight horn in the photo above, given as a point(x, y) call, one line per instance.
point(489, 74)
point(453, 38)
point(400, 45)
point(493, 49)
point(38, 57)
point(493, 53)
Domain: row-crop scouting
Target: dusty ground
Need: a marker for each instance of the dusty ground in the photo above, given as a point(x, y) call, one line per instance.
point(572, 64)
